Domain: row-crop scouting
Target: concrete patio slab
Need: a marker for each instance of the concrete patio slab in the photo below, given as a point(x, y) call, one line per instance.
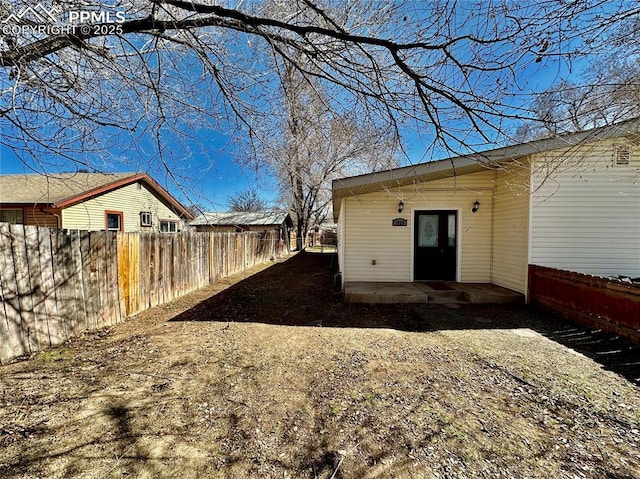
point(365, 292)
point(440, 293)
point(489, 294)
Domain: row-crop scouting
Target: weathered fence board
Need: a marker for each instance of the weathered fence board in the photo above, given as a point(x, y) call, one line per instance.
point(55, 284)
point(89, 282)
point(165, 273)
point(123, 274)
point(111, 264)
point(23, 285)
point(39, 336)
point(134, 252)
point(12, 319)
point(153, 268)
point(61, 327)
point(77, 290)
point(46, 280)
point(98, 273)
point(610, 305)
point(4, 321)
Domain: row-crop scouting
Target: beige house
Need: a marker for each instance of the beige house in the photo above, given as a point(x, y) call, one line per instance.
point(91, 201)
point(570, 202)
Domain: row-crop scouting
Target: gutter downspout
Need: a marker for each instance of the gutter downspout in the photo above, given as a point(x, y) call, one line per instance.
point(55, 215)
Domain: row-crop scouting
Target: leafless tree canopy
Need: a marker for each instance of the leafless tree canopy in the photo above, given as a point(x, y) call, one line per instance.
point(310, 143)
point(607, 90)
point(247, 200)
point(451, 70)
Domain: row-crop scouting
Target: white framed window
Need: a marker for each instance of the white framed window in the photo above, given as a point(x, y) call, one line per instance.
point(114, 220)
point(168, 226)
point(145, 218)
point(622, 156)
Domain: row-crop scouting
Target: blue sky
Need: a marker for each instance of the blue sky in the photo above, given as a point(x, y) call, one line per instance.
point(205, 165)
point(208, 176)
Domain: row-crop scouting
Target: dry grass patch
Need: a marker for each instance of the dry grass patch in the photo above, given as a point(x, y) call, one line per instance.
point(253, 398)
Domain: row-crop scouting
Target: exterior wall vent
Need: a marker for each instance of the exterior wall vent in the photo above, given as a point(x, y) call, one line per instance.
point(622, 155)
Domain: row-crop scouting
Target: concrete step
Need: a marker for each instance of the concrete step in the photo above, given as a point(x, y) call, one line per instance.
point(378, 293)
point(441, 293)
point(447, 297)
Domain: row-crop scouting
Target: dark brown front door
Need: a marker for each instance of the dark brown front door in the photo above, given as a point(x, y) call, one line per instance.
point(435, 244)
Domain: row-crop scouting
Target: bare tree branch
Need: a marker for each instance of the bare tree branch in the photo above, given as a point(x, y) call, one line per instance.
point(452, 71)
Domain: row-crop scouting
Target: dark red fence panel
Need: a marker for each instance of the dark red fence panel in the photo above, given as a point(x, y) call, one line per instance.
point(607, 304)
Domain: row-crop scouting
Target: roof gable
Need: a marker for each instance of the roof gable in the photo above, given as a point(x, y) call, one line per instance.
point(67, 189)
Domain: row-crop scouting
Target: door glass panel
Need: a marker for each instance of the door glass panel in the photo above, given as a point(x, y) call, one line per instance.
point(428, 230)
point(451, 233)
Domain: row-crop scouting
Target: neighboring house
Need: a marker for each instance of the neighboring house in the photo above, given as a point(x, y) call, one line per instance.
point(91, 201)
point(570, 202)
point(241, 221)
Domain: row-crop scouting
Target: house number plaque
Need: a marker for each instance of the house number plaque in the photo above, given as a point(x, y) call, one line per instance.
point(399, 222)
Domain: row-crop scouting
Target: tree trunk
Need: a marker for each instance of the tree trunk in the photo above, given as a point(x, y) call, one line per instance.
point(299, 236)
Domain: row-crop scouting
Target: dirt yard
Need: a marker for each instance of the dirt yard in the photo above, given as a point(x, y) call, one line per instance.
point(272, 376)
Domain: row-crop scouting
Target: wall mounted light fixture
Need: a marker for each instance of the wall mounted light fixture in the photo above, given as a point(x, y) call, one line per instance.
point(400, 206)
point(476, 206)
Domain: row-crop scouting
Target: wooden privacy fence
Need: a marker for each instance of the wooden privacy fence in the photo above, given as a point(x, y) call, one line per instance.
point(610, 305)
point(56, 283)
